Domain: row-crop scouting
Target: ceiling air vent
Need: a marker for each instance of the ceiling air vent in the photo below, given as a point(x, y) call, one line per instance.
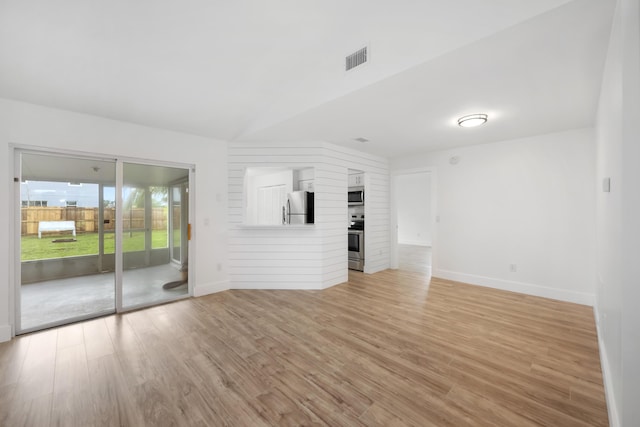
point(357, 58)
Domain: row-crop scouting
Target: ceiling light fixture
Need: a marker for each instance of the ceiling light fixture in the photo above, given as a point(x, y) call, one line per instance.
point(472, 120)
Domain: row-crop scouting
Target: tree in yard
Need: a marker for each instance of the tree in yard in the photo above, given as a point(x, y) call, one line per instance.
point(136, 196)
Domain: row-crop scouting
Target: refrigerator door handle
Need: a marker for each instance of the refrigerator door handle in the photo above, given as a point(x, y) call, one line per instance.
point(288, 211)
point(284, 217)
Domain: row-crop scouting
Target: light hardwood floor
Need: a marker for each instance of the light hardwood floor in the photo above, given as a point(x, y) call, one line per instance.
point(414, 258)
point(388, 349)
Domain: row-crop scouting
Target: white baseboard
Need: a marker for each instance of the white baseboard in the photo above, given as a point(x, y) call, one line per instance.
point(513, 286)
point(210, 288)
point(415, 243)
point(5, 333)
point(614, 420)
point(272, 286)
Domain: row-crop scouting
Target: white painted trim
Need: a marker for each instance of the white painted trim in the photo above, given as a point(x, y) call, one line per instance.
point(203, 289)
point(280, 286)
point(415, 243)
point(520, 287)
point(15, 272)
point(119, 230)
point(5, 333)
point(614, 419)
point(192, 242)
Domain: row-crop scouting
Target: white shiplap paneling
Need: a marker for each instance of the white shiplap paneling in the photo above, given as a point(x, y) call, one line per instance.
point(308, 257)
point(376, 183)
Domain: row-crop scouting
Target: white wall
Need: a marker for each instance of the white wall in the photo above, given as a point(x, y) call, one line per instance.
point(31, 125)
point(413, 203)
point(618, 269)
point(528, 202)
point(306, 257)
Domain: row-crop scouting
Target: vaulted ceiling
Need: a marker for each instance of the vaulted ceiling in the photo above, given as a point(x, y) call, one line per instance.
point(250, 70)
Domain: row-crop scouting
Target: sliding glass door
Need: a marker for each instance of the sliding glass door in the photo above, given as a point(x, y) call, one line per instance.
point(152, 224)
point(65, 203)
point(97, 236)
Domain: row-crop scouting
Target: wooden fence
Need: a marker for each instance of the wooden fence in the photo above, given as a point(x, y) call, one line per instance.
point(86, 219)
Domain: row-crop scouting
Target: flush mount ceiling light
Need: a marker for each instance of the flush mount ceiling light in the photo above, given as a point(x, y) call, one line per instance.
point(472, 120)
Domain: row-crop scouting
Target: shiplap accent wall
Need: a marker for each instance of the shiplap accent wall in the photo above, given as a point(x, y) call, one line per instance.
point(376, 189)
point(307, 257)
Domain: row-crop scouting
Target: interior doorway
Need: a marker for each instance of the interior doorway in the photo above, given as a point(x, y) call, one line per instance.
point(97, 236)
point(413, 201)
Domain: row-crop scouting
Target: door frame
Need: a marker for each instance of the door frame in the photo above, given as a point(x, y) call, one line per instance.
point(185, 220)
point(393, 226)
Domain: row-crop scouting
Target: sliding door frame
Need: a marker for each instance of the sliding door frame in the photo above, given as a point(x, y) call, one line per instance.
point(15, 272)
point(120, 308)
point(16, 244)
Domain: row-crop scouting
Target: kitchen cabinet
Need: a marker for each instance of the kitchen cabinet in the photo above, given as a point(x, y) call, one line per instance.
point(356, 180)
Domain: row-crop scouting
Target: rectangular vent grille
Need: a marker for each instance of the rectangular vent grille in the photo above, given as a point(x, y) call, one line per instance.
point(356, 58)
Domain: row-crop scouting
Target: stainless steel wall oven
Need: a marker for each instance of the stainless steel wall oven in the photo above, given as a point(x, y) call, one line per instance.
point(356, 249)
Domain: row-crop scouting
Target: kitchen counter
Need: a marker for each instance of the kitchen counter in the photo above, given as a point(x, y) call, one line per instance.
point(274, 227)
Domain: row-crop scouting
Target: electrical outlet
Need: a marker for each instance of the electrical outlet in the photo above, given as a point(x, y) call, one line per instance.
point(513, 268)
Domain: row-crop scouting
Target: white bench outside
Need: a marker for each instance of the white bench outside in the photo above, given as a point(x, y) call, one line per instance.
point(56, 226)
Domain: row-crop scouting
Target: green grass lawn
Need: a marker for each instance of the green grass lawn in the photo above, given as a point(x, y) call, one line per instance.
point(85, 244)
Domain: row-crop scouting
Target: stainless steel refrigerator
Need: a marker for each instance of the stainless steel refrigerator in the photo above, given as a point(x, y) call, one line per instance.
point(299, 208)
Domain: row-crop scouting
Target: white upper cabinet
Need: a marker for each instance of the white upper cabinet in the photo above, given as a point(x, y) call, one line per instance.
point(356, 180)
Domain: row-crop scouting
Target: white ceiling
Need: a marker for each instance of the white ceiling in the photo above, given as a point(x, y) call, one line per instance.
point(256, 70)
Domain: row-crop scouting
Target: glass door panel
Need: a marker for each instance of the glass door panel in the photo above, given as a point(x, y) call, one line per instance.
point(181, 225)
point(151, 273)
point(62, 275)
point(107, 227)
point(159, 217)
point(176, 223)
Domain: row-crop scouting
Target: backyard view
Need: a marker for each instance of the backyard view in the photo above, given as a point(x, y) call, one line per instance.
point(42, 203)
point(47, 247)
